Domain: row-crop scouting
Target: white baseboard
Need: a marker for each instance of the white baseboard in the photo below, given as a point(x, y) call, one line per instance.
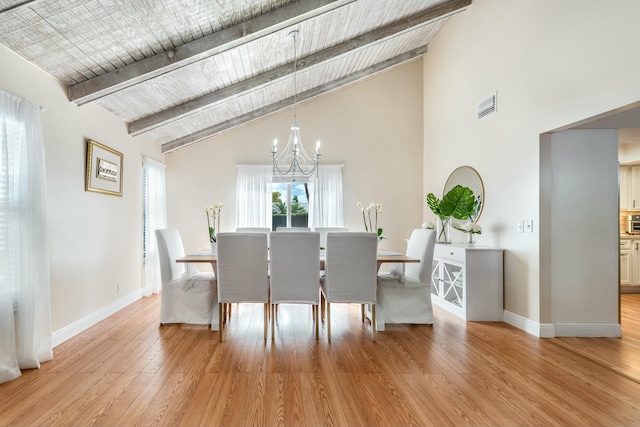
point(608, 330)
point(69, 331)
point(551, 330)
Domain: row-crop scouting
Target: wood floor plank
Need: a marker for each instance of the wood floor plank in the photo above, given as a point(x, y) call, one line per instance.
point(130, 371)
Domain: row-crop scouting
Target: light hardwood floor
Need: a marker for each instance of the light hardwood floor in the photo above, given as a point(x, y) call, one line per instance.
point(130, 371)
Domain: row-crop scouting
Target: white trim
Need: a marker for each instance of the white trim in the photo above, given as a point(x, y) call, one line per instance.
point(528, 325)
point(610, 330)
point(88, 321)
point(551, 330)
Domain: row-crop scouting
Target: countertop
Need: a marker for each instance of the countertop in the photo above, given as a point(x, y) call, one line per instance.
point(630, 236)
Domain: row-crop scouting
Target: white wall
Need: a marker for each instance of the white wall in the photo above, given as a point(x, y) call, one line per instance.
point(579, 248)
point(551, 67)
point(94, 239)
point(373, 128)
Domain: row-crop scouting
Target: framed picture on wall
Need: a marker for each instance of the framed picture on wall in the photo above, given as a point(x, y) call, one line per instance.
point(104, 169)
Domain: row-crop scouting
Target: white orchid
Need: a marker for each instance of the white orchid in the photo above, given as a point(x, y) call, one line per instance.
point(371, 224)
point(213, 217)
point(470, 227)
point(428, 225)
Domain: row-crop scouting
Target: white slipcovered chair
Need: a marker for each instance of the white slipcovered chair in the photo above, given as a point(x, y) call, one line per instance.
point(350, 273)
point(405, 296)
point(295, 269)
point(265, 230)
point(242, 270)
point(293, 229)
point(323, 233)
point(188, 296)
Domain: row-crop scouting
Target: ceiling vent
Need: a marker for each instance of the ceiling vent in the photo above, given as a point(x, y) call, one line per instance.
point(487, 106)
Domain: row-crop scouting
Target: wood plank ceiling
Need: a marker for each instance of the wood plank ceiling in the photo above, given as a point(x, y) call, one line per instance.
point(184, 70)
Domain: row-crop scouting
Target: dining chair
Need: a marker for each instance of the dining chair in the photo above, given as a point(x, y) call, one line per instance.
point(350, 273)
point(265, 230)
point(188, 296)
point(323, 233)
point(294, 272)
point(405, 296)
point(242, 272)
point(293, 229)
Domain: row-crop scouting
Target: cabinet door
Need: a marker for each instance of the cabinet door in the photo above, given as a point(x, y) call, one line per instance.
point(625, 267)
point(634, 194)
point(453, 283)
point(625, 191)
point(634, 261)
point(436, 276)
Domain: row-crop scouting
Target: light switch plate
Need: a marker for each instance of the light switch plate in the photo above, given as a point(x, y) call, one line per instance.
point(528, 226)
point(520, 226)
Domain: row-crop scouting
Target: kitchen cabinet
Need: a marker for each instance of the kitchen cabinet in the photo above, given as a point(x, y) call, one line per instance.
point(626, 262)
point(630, 187)
point(468, 281)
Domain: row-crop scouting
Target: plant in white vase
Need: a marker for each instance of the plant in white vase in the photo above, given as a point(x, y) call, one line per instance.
point(370, 217)
point(213, 220)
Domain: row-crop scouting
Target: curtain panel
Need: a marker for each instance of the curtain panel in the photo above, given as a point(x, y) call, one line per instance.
point(25, 303)
point(155, 217)
point(253, 196)
point(326, 205)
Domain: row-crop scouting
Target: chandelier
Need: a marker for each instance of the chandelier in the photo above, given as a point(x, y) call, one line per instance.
point(293, 163)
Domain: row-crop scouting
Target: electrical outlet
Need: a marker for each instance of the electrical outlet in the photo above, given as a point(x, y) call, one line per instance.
point(118, 288)
point(520, 226)
point(528, 226)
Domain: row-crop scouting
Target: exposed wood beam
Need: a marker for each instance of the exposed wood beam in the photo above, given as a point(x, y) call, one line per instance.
point(19, 5)
point(285, 103)
point(204, 102)
point(199, 49)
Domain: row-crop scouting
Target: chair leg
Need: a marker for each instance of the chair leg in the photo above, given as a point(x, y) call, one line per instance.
point(273, 321)
point(362, 311)
point(315, 319)
point(329, 321)
point(266, 315)
point(322, 305)
point(374, 332)
point(220, 322)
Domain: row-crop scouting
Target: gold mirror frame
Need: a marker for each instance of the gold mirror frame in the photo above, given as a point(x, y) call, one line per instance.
point(467, 177)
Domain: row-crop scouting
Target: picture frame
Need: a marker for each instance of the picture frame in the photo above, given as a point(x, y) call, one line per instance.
point(104, 169)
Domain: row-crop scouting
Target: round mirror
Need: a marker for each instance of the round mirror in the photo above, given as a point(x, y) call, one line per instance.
point(467, 177)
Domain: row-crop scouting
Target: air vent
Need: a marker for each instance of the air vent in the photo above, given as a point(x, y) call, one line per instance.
point(487, 106)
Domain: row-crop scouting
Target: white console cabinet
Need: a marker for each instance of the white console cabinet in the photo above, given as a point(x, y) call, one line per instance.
point(468, 281)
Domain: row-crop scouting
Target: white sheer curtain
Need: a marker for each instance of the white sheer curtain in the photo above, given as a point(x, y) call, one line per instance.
point(253, 196)
point(326, 206)
point(25, 310)
point(155, 217)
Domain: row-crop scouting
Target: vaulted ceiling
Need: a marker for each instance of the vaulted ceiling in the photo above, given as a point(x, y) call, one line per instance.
point(183, 70)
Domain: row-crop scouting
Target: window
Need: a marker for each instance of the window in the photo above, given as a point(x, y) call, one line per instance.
point(290, 205)
point(321, 199)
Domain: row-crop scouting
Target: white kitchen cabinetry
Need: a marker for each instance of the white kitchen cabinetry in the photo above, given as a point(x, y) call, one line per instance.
point(468, 281)
point(630, 187)
point(626, 262)
point(625, 181)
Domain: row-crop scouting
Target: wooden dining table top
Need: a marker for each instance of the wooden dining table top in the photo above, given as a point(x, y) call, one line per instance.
point(382, 257)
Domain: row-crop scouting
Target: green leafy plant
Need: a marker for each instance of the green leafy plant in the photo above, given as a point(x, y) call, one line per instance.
point(459, 203)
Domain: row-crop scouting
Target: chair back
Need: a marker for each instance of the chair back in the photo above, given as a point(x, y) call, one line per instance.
point(265, 230)
point(170, 248)
point(242, 269)
point(421, 245)
point(351, 267)
point(323, 233)
point(293, 229)
point(295, 267)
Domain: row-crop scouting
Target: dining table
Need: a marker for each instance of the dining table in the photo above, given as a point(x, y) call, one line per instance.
point(207, 257)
